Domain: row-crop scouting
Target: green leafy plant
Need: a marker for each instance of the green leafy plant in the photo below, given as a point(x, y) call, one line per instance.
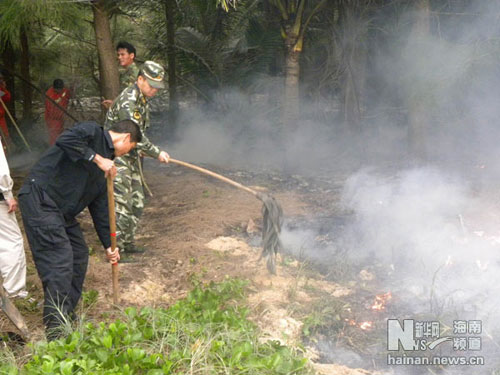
point(89, 297)
point(206, 332)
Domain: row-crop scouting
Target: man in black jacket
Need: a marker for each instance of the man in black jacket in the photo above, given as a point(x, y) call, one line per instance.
point(69, 177)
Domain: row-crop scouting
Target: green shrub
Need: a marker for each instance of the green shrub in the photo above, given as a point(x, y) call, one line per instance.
point(207, 332)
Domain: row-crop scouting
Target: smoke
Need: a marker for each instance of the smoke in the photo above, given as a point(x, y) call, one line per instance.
point(443, 82)
point(426, 236)
point(425, 229)
point(245, 132)
point(438, 243)
point(433, 230)
point(411, 209)
point(424, 222)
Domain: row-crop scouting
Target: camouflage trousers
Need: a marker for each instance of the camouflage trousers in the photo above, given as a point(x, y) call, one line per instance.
point(129, 198)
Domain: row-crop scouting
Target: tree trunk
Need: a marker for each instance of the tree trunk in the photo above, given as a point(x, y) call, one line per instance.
point(172, 79)
point(108, 69)
point(25, 73)
point(294, 23)
point(354, 61)
point(292, 75)
point(417, 111)
point(9, 61)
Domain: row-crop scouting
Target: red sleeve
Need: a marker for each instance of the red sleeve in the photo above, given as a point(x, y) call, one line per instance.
point(49, 106)
point(51, 94)
point(6, 97)
point(65, 98)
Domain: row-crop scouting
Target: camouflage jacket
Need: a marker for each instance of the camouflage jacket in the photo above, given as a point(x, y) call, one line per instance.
point(128, 76)
point(132, 105)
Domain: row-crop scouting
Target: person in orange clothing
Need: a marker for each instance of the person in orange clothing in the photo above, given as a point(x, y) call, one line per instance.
point(54, 116)
point(5, 96)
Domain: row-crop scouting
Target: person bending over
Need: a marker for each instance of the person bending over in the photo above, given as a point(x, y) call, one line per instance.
point(69, 177)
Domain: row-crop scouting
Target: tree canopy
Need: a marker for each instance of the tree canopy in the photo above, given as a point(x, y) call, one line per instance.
point(342, 54)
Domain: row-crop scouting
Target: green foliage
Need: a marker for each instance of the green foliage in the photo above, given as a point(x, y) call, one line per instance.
point(229, 49)
point(327, 313)
point(16, 14)
point(214, 48)
point(26, 305)
point(89, 298)
point(7, 359)
point(207, 332)
point(226, 4)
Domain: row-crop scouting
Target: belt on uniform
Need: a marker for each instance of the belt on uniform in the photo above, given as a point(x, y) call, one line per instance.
point(2, 198)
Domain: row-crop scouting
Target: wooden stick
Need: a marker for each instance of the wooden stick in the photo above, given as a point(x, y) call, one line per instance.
point(14, 122)
point(215, 175)
point(112, 231)
point(139, 162)
point(6, 143)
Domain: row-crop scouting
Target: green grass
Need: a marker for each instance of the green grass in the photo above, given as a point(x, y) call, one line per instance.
point(206, 333)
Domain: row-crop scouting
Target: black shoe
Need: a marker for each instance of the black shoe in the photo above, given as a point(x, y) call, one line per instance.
point(134, 249)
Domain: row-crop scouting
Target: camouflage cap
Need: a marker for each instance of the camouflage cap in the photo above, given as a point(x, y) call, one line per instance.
point(154, 74)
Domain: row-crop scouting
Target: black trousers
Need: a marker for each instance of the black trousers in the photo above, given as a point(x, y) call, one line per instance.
point(59, 251)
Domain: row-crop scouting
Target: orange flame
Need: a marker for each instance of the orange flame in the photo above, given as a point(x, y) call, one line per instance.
point(363, 325)
point(380, 301)
point(366, 325)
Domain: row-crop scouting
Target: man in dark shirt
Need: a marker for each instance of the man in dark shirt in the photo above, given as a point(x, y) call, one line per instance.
point(69, 177)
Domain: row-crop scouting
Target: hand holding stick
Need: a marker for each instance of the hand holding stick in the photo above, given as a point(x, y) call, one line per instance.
point(112, 231)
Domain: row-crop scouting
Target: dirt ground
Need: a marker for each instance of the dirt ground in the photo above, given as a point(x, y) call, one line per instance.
point(198, 229)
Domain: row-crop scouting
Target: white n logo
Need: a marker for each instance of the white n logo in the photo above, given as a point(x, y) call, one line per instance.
point(397, 334)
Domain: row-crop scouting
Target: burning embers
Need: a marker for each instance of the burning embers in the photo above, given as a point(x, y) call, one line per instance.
point(378, 304)
point(380, 301)
point(365, 326)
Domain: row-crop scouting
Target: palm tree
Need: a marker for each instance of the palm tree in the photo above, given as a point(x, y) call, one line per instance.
point(225, 4)
point(213, 48)
point(417, 108)
point(295, 17)
point(170, 10)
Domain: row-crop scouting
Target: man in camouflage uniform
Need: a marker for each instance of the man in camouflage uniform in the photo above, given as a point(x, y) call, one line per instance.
point(128, 69)
point(133, 104)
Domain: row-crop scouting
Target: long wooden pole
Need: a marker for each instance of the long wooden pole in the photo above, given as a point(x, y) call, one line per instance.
point(112, 231)
point(6, 143)
point(15, 124)
point(215, 175)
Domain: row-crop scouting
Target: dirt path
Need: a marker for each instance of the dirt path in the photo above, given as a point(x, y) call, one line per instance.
point(187, 211)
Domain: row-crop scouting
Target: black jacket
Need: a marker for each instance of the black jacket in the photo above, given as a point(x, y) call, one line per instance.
point(67, 173)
